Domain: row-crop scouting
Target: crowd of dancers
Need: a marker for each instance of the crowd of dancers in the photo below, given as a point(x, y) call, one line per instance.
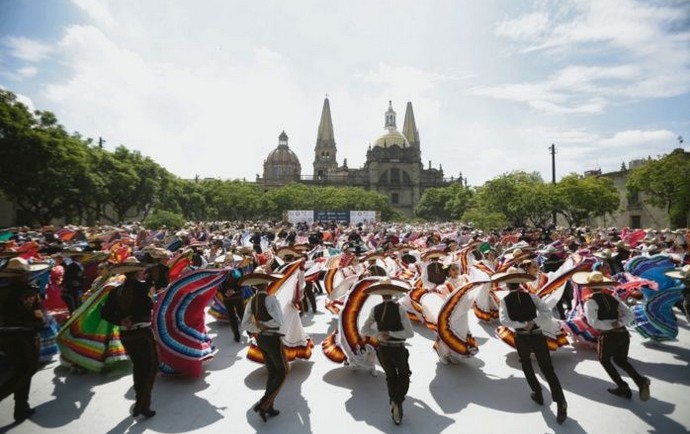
point(97, 297)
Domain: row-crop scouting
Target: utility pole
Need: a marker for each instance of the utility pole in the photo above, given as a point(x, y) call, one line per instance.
point(101, 140)
point(552, 148)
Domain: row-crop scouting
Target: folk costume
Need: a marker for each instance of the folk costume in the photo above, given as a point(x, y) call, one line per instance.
point(263, 317)
point(20, 320)
point(388, 322)
point(609, 316)
point(518, 310)
point(130, 306)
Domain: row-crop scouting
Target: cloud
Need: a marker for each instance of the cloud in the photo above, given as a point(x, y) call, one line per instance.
point(98, 10)
point(638, 139)
point(26, 49)
point(528, 27)
point(215, 117)
point(616, 51)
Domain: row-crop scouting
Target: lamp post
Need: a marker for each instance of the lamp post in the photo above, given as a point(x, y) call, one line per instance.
point(552, 149)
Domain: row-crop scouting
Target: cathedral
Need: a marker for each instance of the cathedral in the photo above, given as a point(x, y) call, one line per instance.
point(393, 164)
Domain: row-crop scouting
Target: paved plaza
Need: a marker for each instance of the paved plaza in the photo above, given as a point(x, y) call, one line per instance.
point(485, 394)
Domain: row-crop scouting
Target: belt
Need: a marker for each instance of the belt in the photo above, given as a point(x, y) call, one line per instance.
point(136, 326)
point(616, 330)
point(392, 344)
point(535, 331)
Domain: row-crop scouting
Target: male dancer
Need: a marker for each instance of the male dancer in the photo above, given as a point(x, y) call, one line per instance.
point(20, 320)
point(521, 311)
point(263, 318)
point(609, 316)
point(389, 323)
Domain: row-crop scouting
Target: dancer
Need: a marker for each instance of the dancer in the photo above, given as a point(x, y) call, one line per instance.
point(263, 318)
point(389, 323)
point(130, 306)
point(518, 310)
point(21, 318)
point(609, 316)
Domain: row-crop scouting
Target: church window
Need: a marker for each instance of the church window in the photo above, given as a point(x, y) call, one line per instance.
point(394, 198)
point(395, 176)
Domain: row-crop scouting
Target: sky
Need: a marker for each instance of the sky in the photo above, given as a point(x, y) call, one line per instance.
point(206, 87)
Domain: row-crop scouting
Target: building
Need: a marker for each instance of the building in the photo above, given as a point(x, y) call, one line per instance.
point(633, 212)
point(393, 164)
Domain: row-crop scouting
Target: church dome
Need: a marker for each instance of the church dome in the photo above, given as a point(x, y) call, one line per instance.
point(392, 137)
point(282, 156)
point(282, 163)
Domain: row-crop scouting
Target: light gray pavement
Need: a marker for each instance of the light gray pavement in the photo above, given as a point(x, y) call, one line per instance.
point(485, 394)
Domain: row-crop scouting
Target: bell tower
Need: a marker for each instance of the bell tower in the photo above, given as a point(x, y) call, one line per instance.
point(325, 149)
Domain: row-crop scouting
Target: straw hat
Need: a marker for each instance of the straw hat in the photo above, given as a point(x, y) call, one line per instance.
point(386, 286)
point(253, 279)
point(516, 253)
point(593, 279)
point(246, 250)
point(158, 253)
point(512, 275)
point(679, 273)
point(433, 254)
point(372, 257)
point(288, 252)
point(73, 251)
point(129, 265)
point(605, 254)
point(18, 266)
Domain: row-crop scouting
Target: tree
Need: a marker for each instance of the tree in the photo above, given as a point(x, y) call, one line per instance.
point(160, 218)
point(580, 198)
point(444, 203)
point(41, 166)
point(481, 219)
point(519, 196)
point(666, 184)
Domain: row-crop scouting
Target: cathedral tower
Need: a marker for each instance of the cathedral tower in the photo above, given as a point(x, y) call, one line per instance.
point(325, 150)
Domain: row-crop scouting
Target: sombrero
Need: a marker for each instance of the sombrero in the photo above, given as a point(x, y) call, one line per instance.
point(387, 287)
point(372, 257)
point(18, 266)
point(287, 252)
point(129, 265)
point(516, 253)
point(606, 254)
point(512, 275)
point(433, 254)
point(593, 279)
point(682, 273)
point(252, 279)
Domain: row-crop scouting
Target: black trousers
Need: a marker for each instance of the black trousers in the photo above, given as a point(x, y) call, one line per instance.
point(21, 349)
point(141, 349)
point(394, 361)
point(235, 308)
point(72, 299)
point(536, 343)
point(613, 347)
point(309, 298)
point(271, 346)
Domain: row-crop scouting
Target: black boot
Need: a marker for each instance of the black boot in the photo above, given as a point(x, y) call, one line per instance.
point(623, 392)
point(562, 412)
point(537, 397)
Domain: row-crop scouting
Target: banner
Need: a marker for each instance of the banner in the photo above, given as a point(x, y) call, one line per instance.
point(362, 217)
point(294, 216)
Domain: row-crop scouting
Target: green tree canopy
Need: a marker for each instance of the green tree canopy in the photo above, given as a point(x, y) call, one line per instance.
point(666, 184)
point(444, 203)
point(579, 198)
point(519, 196)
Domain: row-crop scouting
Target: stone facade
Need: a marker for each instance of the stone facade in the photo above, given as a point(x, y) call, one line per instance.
point(393, 164)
